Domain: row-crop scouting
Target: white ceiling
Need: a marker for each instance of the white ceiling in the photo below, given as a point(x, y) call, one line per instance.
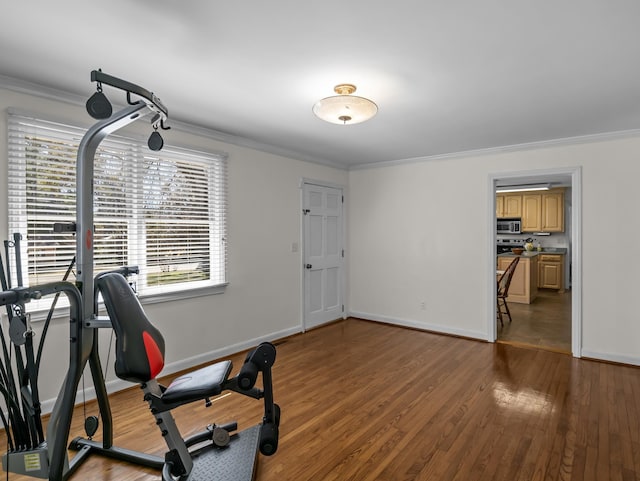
point(448, 75)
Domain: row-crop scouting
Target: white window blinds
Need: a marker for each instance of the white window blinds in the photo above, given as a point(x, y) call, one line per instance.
point(164, 212)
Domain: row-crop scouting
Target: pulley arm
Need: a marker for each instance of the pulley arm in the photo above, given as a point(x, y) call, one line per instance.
point(152, 101)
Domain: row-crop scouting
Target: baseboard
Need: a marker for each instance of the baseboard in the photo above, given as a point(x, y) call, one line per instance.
point(609, 357)
point(586, 354)
point(452, 331)
point(116, 385)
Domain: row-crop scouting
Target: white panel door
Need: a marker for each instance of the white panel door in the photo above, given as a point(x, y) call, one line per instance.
point(323, 254)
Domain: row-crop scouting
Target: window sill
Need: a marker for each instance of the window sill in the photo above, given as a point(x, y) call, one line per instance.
point(40, 315)
point(190, 294)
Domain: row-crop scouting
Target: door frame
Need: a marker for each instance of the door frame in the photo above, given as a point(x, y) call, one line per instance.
point(343, 274)
point(576, 249)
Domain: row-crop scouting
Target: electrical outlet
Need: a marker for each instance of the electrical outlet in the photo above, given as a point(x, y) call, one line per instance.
point(423, 306)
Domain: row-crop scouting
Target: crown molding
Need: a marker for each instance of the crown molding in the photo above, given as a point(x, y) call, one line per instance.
point(30, 88)
point(38, 90)
point(581, 139)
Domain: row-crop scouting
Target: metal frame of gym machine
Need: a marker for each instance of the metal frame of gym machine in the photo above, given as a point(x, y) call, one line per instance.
point(84, 329)
point(84, 322)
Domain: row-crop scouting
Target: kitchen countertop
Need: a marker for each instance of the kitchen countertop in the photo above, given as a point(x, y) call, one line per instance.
point(534, 253)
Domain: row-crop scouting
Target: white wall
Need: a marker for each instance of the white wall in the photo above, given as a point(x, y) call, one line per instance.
point(263, 300)
point(419, 232)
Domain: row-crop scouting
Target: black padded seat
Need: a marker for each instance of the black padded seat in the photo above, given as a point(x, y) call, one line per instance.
point(199, 384)
point(139, 345)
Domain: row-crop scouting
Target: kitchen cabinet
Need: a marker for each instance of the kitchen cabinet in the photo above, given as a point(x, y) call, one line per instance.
point(524, 283)
point(553, 211)
point(550, 271)
point(543, 212)
point(508, 205)
point(531, 213)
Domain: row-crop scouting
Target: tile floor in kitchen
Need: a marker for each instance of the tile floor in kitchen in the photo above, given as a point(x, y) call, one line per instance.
point(545, 323)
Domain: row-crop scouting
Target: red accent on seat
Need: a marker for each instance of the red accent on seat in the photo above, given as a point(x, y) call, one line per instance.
point(154, 355)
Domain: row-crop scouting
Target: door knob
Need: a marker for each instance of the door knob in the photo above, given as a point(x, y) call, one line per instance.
point(308, 266)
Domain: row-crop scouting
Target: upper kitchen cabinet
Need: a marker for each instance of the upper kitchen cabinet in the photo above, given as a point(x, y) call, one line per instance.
point(553, 211)
point(543, 212)
point(508, 205)
point(531, 213)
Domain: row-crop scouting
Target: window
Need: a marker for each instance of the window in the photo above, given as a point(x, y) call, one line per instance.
point(162, 211)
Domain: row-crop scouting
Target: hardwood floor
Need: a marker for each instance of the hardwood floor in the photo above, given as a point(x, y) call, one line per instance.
point(545, 323)
point(364, 401)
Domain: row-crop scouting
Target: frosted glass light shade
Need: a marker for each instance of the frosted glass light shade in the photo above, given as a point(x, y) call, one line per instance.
point(345, 109)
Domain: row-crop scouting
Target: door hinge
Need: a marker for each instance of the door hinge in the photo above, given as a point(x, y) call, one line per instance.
point(342, 307)
point(305, 211)
point(343, 199)
point(342, 252)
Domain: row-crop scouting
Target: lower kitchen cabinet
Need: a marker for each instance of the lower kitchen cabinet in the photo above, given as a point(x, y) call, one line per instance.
point(550, 271)
point(524, 283)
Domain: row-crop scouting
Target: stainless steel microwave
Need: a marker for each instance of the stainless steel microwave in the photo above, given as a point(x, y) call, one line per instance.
point(509, 226)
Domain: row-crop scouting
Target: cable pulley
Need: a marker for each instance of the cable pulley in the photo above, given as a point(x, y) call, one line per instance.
point(17, 331)
point(98, 105)
point(155, 141)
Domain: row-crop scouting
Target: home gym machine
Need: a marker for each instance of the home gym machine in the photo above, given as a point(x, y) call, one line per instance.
point(220, 452)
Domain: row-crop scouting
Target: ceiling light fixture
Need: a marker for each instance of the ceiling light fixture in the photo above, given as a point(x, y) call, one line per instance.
point(345, 108)
point(522, 188)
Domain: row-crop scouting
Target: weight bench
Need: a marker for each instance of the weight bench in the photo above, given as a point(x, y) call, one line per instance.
point(216, 453)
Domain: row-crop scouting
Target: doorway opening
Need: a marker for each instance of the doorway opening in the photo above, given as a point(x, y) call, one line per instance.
point(544, 298)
